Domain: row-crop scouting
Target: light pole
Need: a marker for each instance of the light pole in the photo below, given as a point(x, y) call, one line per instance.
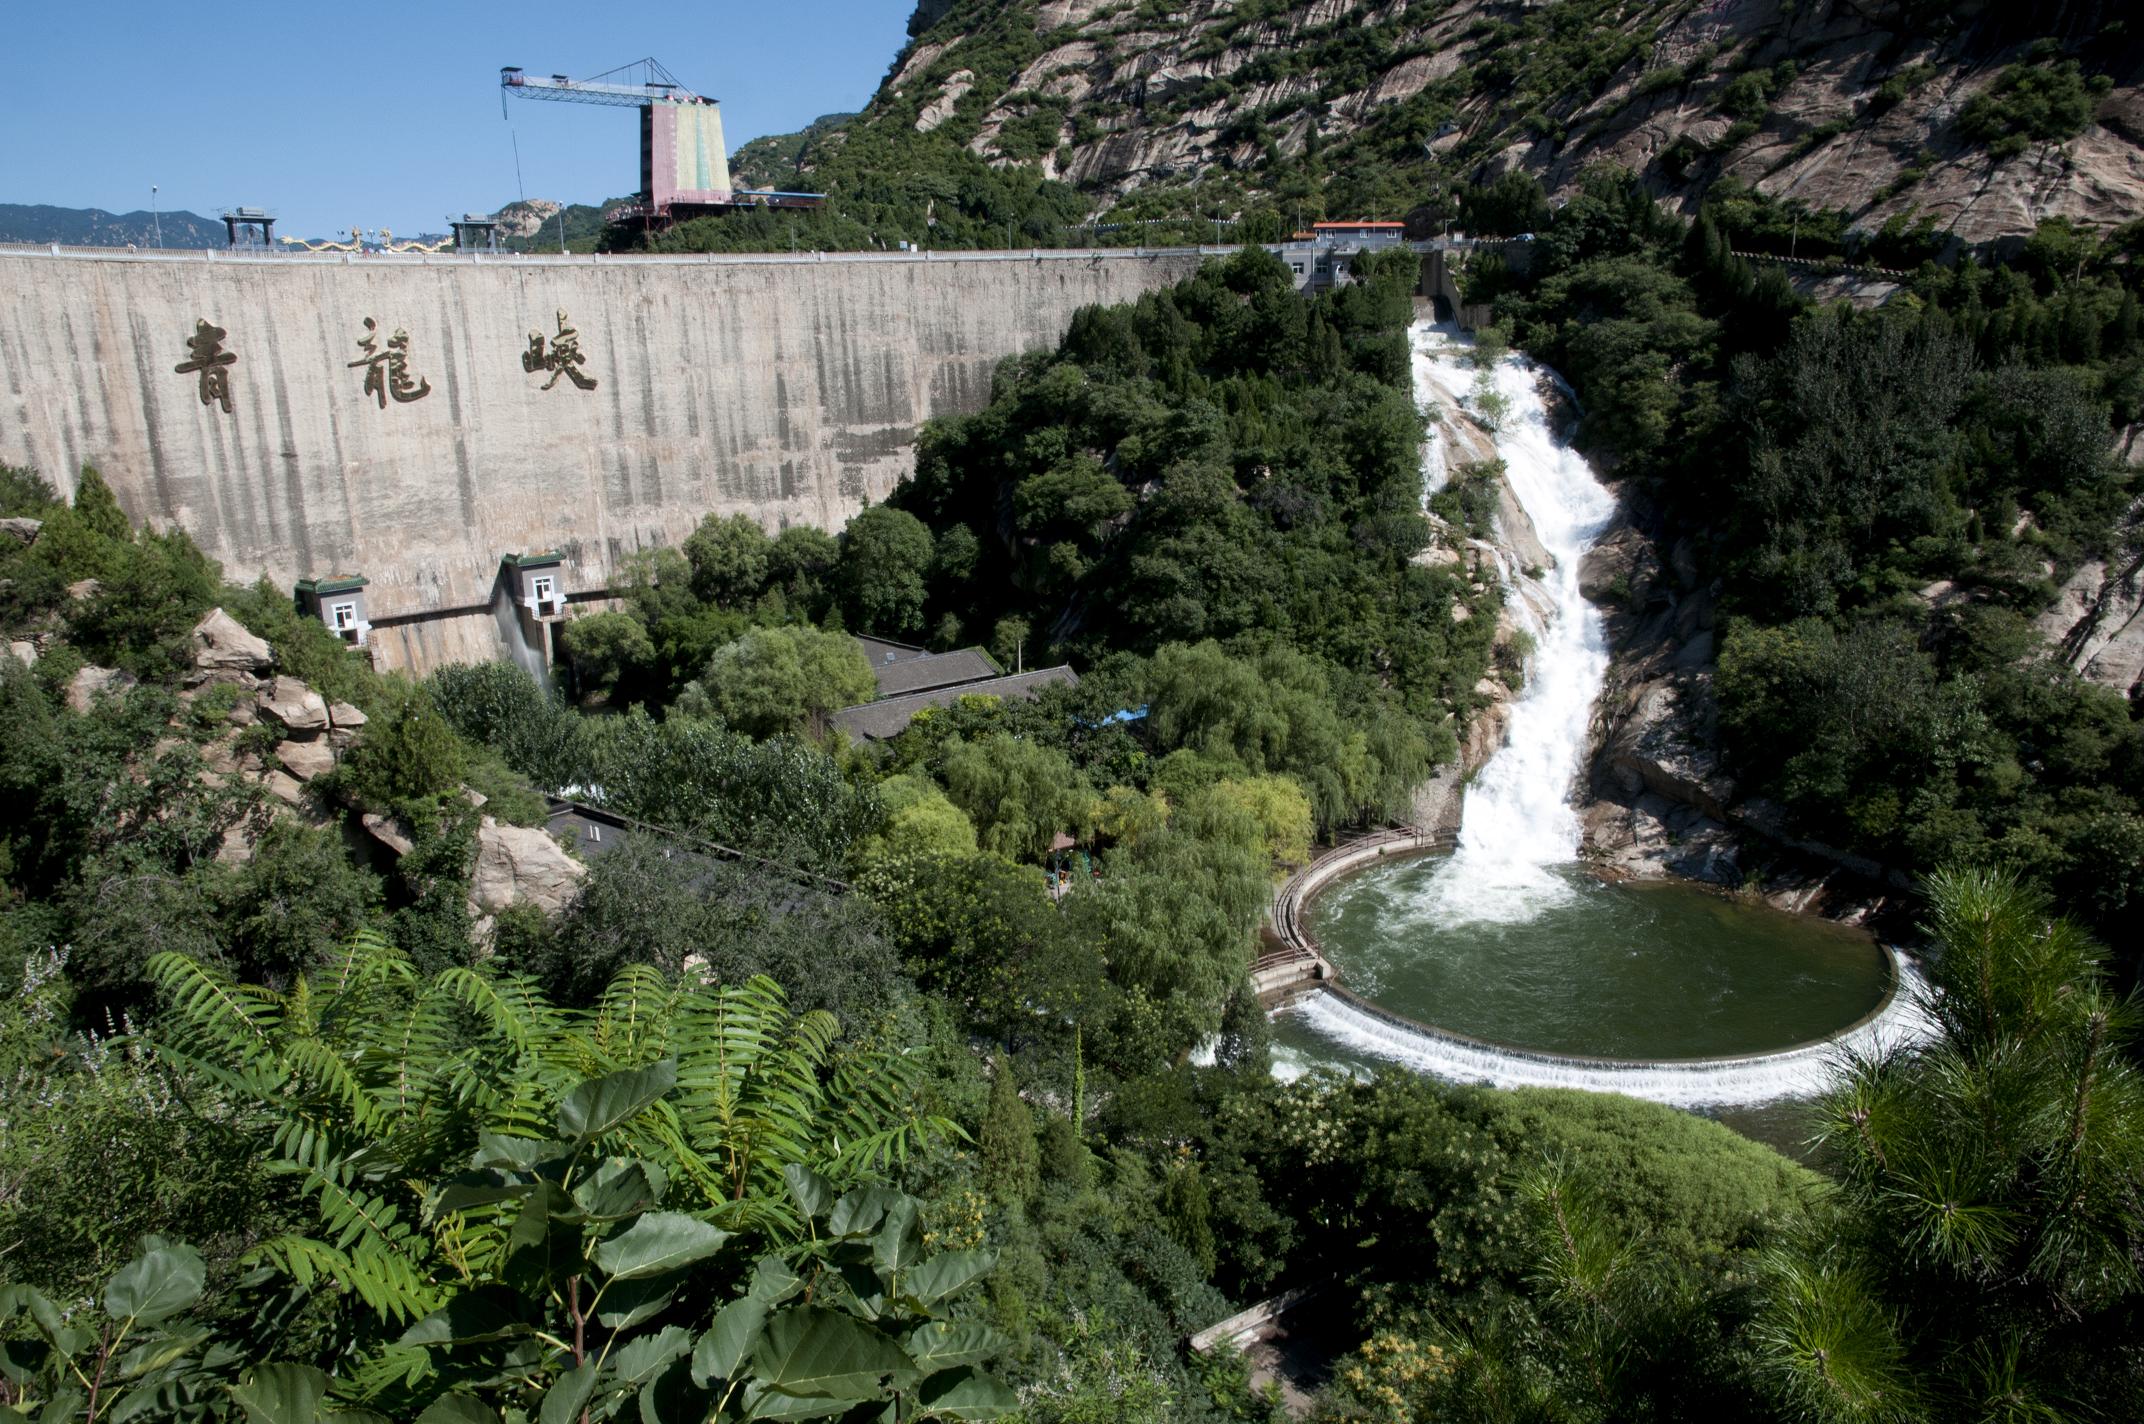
point(156, 219)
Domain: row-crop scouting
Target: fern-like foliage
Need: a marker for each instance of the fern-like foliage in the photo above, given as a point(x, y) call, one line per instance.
point(373, 1084)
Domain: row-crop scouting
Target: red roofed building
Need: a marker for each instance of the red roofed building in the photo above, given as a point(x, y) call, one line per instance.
point(1363, 227)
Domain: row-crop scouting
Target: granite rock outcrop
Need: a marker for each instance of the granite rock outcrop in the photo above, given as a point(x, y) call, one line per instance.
point(1849, 106)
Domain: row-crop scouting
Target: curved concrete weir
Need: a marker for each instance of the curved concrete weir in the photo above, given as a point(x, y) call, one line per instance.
point(1355, 1023)
point(1513, 870)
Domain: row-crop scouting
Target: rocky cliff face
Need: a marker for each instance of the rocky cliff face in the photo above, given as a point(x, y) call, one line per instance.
point(1658, 800)
point(2096, 623)
point(1854, 106)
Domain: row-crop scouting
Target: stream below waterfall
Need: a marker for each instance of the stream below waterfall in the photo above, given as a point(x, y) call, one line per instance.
point(1532, 971)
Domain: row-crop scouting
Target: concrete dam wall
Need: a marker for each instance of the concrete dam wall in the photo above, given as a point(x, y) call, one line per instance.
point(413, 419)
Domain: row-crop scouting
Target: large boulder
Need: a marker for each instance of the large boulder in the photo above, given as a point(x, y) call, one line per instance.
point(522, 865)
point(1620, 569)
point(85, 686)
point(388, 832)
point(23, 651)
point(307, 759)
point(22, 531)
point(223, 645)
point(296, 706)
point(345, 725)
point(1659, 748)
point(284, 788)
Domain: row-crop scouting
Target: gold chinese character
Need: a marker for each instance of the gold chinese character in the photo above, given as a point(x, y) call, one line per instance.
point(387, 370)
point(563, 359)
point(210, 359)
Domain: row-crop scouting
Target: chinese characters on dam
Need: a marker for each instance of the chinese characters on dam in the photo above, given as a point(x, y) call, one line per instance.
point(386, 363)
point(209, 362)
point(563, 359)
point(387, 368)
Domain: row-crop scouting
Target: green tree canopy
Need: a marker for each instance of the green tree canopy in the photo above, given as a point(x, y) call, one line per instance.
point(408, 756)
point(886, 556)
point(775, 680)
point(730, 559)
point(604, 646)
point(920, 821)
point(1020, 795)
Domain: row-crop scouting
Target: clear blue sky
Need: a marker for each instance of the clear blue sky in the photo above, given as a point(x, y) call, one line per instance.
point(386, 114)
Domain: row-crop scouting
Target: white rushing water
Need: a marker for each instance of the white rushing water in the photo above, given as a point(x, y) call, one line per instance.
point(1518, 821)
point(1685, 1083)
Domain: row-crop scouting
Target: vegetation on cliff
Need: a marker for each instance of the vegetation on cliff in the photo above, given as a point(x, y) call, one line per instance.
point(1007, 123)
point(1918, 481)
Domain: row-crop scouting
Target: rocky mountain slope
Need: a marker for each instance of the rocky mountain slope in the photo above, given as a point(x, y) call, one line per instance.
point(1971, 119)
point(532, 225)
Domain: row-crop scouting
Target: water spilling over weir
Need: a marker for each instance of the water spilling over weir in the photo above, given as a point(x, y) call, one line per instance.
point(1506, 937)
point(1730, 1081)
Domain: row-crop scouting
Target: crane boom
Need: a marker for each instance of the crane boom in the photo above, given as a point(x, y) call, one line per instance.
point(684, 162)
point(644, 81)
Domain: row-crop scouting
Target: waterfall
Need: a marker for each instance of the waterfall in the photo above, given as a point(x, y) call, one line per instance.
point(1517, 820)
point(1429, 352)
point(1519, 831)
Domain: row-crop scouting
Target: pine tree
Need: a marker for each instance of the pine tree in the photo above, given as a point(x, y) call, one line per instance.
point(1064, 1158)
point(98, 508)
point(1011, 1168)
point(1986, 1251)
point(1187, 1210)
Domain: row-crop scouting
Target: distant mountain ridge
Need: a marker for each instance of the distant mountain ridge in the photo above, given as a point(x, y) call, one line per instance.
point(94, 227)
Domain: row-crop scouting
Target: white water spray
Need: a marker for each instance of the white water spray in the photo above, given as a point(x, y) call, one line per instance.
point(1517, 820)
point(1741, 1081)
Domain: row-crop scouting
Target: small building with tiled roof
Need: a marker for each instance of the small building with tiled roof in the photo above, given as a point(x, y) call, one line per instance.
point(889, 716)
point(934, 670)
point(885, 650)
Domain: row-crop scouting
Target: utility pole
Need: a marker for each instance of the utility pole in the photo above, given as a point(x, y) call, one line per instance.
point(156, 217)
point(562, 229)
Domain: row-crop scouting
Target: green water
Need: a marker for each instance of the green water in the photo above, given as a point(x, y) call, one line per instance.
point(1645, 970)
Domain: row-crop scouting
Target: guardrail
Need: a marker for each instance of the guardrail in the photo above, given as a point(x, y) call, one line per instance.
point(1828, 266)
point(1293, 955)
point(257, 257)
point(222, 257)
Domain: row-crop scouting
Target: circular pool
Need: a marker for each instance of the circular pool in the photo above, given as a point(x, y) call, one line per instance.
point(1598, 969)
point(1533, 976)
